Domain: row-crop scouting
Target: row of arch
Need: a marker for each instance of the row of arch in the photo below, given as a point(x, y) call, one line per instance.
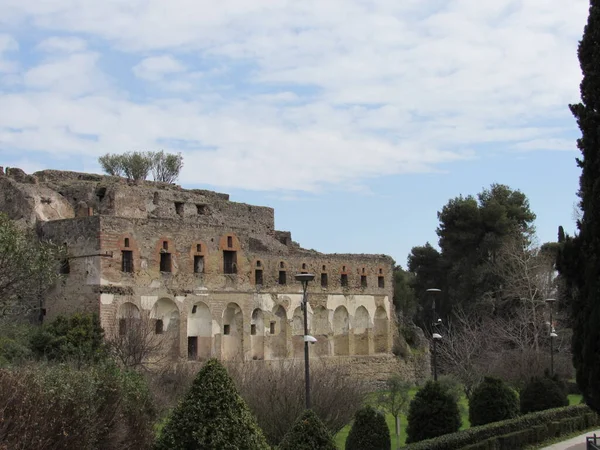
point(266, 334)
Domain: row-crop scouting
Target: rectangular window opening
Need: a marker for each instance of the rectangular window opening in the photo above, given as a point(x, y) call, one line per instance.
point(127, 261)
point(324, 280)
point(253, 329)
point(192, 348)
point(158, 327)
point(226, 330)
point(272, 328)
point(201, 209)
point(165, 262)
point(381, 282)
point(363, 281)
point(179, 208)
point(282, 277)
point(198, 264)
point(344, 280)
point(229, 242)
point(258, 276)
point(229, 261)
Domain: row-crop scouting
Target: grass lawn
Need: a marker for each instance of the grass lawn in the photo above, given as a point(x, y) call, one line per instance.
point(340, 438)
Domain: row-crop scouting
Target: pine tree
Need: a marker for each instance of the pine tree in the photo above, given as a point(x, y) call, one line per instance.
point(212, 415)
point(586, 279)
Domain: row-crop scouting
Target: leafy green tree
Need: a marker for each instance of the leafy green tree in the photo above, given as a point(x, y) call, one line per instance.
point(492, 401)
point(112, 164)
point(395, 400)
point(425, 266)
point(212, 415)
point(433, 412)
point(369, 431)
point(78, 338)
point(542, 393)
point(28, 267)
point(584, 251)
point(166, 166)
point(404, 296)
point(308, 433)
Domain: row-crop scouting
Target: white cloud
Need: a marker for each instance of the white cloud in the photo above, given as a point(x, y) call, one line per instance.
point(63, 44)
point(156, 67)
point(270, 94)
point(8, 44)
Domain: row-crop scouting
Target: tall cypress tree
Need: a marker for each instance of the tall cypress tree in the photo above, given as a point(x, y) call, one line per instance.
point(586, 278)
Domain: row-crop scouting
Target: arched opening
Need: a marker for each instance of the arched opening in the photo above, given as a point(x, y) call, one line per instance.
point(128, 317)
point(278, 333)
point(298, 330)
point(361, 327)
point(341, 325)
point(199, 329)
point(381, 330)
point(165, 318)
point(321, 330)
point(257, 334)
point(232, 332)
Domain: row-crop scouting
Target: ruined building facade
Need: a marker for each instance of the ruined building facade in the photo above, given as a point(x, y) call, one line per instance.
point(212, 275)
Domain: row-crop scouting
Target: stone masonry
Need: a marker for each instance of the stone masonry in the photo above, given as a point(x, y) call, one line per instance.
point(213, 276)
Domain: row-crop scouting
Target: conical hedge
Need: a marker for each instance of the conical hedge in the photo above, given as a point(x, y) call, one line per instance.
point(369, 431)
point(492, 401)
point(212, 416)
point(308, 433)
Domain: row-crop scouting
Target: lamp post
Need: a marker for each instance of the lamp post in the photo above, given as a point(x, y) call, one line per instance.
point(304, 278)
point(435, 336)
point(550, 302)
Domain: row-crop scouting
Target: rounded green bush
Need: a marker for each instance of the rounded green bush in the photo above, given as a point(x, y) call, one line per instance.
point(212, 415)
point(369, 431)
point(491, 401)
point(433, 412)
point(542, 393)
point(308, 433)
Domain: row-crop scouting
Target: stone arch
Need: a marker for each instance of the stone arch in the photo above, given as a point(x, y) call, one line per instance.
point(199, 330)
point(341, 327)
point(381, 330)
point(278, 332)
point(321, 328)
point(165, 318)
point(361, 326)
point(232, 332)
point(257, 334)
point(128, 316)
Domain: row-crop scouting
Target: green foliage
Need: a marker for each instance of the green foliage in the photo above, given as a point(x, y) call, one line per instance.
point(541, 394)
point(455, 388)
point(542, 425)
point(137, 165)
point(404, 296)
point(28, 267)
point(395, 399)
point(78, 338)
point(212, 415)
point(369, 431)
point(471, 230)
point(581, 264)
point(492, 401)
point(166, 167)
point(308, 433)
point(432, 412)
point(59, 407)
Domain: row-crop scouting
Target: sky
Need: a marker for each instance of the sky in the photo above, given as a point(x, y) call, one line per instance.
point(357, 120)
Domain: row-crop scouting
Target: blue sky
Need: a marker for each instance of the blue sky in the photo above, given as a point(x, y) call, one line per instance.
point(357, 120)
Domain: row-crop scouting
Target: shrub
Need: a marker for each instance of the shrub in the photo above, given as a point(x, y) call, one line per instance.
point(77, 338)
point(308, 433)
point(59, 407)
point(492, 401)
point(369, 431)
point(540, 394)
point(278, 402)
point(544, 423)
point(433, 412)
point(212, 415)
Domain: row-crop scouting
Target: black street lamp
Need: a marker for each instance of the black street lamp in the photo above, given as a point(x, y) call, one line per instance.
point(435, 336)
point(304, 278)
point(550, 302)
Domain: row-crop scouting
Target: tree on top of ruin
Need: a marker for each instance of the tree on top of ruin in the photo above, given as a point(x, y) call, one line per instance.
point(136, 166)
